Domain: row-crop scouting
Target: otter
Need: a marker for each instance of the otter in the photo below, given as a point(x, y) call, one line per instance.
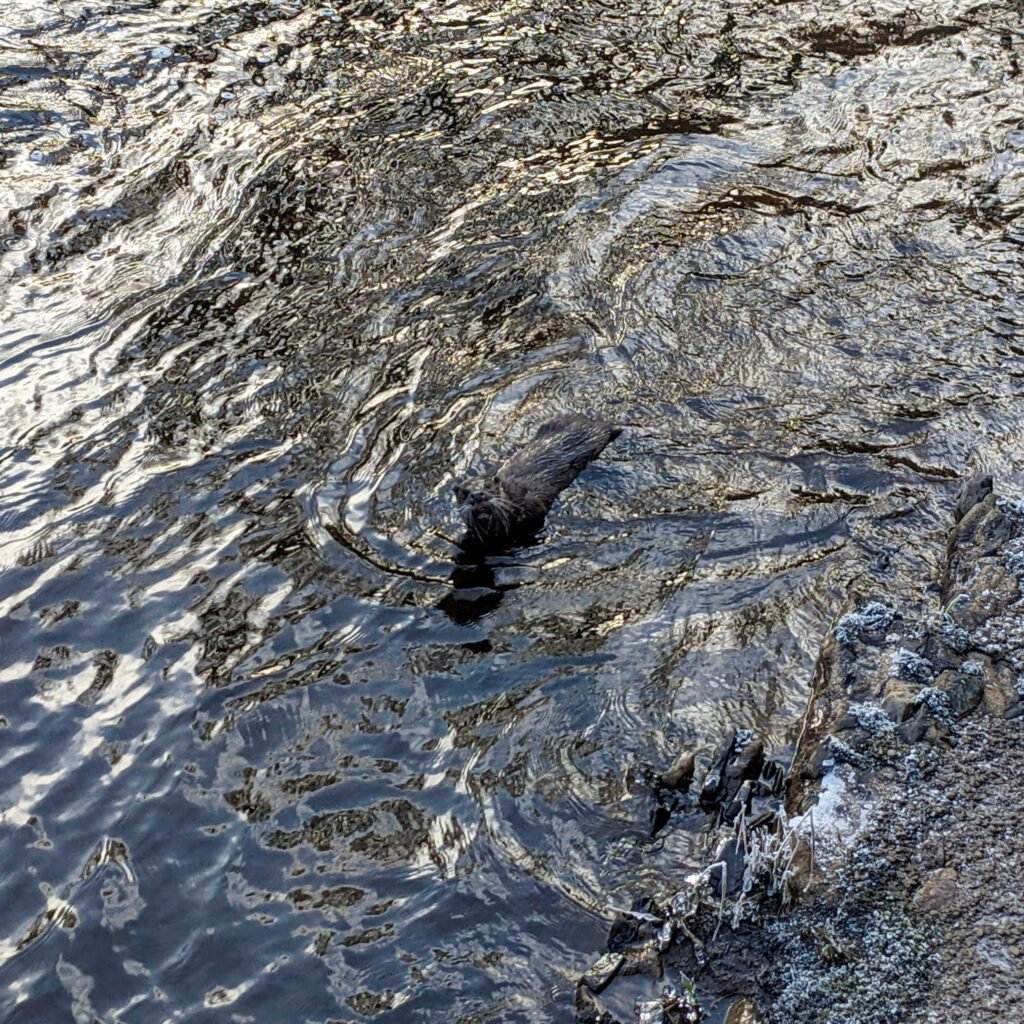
point(511, 504)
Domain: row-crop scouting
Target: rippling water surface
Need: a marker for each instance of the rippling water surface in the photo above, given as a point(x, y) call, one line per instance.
point(274, 276)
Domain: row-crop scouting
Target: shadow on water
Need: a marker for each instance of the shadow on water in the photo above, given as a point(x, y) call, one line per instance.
point(474, 590)
point(273, 276)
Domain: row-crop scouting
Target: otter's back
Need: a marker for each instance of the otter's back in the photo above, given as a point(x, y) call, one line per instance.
point(557, 454)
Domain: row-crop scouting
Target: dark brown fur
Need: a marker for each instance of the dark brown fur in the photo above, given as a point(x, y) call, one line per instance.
point(511, 505)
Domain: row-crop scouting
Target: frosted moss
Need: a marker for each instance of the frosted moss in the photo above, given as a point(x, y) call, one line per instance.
point(955, 637)
point(861, 967)
point(871, 718)
point(874, 617)
point(908, 665)
point(937, 704)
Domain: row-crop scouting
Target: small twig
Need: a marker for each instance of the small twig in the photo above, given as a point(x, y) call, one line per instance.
point(640, 915)
point(721, 905)
point(947, 612)
point(810, 874)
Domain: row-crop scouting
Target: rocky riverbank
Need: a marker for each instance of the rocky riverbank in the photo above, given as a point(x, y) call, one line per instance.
point(884, 882)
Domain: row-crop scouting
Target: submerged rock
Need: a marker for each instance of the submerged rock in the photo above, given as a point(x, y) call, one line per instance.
point(680, 775)
point(739, 758)
point(669, 791)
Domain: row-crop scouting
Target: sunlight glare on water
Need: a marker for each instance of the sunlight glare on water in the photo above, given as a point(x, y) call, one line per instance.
point(275, 276)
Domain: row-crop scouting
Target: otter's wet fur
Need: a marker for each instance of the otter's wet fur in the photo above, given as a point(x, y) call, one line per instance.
point(511, 504)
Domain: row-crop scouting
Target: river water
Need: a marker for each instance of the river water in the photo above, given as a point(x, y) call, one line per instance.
point(274, 276)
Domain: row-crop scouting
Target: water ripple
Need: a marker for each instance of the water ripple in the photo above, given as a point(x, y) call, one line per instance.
point(274, 276)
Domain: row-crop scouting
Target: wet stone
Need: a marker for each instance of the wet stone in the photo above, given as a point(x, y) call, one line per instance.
point(772, 780)
point(588, 1010)
point(982, 533)
point(727, 869)
point(645, 959)
point(672, 1008)
point(741, 757)
point(680, 775)
point(668, 790)
point(600, 974)
point(660, 816)
point(972, 491)
point(638, 925)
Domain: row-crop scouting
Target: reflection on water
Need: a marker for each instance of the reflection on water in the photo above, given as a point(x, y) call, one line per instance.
point(275, 274)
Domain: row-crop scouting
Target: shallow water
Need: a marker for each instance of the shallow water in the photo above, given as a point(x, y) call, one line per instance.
point(275, 275)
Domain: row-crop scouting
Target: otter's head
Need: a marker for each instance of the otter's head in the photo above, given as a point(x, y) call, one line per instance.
point(486, 510)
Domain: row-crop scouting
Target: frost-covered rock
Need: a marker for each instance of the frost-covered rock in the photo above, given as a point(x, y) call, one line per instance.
point(874, 617)
point(906, 664)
